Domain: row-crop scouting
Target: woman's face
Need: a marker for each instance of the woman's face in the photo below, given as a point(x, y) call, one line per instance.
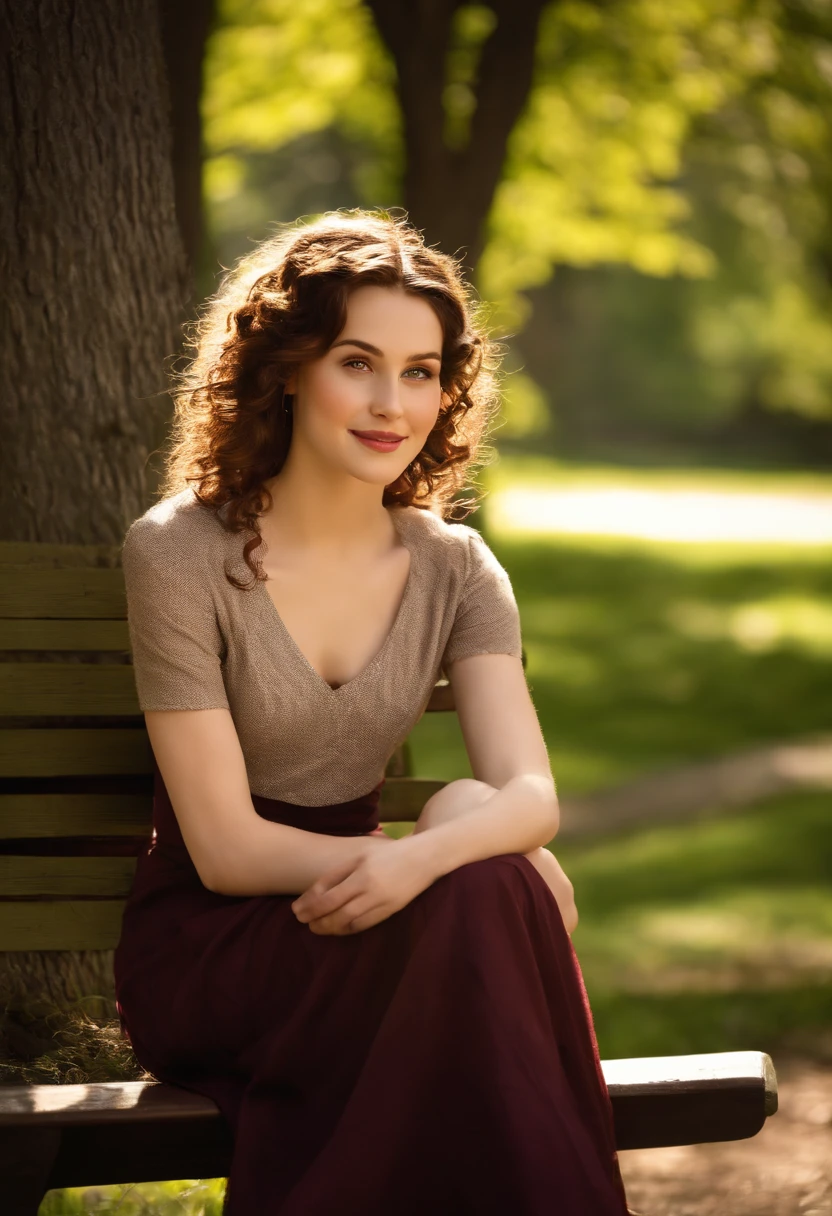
point(380, 375)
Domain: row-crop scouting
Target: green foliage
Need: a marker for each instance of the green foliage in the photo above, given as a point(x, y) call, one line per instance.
point(686, 142)
point(586, 171)
point(278, 73)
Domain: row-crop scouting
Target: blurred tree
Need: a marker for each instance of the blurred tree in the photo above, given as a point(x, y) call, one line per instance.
point(547, 132)
point(463, 73)
point(738, 361)
point(681, 150)
point(185, 26)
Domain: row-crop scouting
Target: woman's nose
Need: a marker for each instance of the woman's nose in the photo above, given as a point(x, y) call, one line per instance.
point(387, 395)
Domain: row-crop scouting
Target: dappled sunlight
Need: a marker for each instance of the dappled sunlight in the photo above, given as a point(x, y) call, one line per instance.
point(758, 625)
point(664, 514)
point(758, 936)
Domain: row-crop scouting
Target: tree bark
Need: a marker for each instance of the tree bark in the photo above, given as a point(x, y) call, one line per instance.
point(95, 280)
point(185, 26)
point(95, 285)
point(449, 192)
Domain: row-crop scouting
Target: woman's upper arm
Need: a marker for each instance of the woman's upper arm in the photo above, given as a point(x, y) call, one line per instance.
point(203, 768)
point(483, 661)
point(498, 718)
point(177, 649)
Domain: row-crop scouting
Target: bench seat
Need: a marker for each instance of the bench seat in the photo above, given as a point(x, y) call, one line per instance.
point(54, 1136)
point(75, 811)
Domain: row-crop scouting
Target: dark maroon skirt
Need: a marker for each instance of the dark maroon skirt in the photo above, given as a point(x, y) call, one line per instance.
point(440, 1063)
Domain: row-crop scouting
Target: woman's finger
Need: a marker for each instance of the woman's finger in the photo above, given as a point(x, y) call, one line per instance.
point(329, 892)
point(342, 921)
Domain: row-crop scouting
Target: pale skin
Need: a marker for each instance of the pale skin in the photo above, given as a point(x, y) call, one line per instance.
point(336, 574)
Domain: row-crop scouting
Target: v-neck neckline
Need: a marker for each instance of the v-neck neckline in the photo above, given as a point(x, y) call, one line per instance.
point(400, 523)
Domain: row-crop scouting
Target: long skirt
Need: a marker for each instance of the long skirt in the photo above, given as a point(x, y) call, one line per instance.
point(440, 1063)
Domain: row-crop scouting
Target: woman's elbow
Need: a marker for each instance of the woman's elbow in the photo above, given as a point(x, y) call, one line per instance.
point(551, 815)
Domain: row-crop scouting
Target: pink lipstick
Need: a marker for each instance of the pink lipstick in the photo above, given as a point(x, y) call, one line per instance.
point(378, 444)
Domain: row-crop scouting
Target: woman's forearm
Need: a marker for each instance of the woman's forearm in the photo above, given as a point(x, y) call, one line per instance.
point(276, 859)
point(521, 816)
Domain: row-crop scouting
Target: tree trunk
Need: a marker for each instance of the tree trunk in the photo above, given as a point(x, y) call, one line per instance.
point(186, 25)
point(95, 286)
point(449, 192)
point(95, 281)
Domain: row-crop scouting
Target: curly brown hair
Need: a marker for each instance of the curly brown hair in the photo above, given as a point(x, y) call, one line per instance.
point(284, 305)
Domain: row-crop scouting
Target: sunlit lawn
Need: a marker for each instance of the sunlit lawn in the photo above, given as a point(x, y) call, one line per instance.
point(707, 936)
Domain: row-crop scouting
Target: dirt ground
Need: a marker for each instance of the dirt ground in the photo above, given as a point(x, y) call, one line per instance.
point(785, 1170)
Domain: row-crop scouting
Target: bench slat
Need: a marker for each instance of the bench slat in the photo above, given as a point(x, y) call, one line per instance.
point(142, 1101)
point(64, 635)
point(94, 689)
point(74, 689)
point(148, 1131)
point(25, 816)
point(59, 556)
point(54, 815)
point(75, 752)
point(66, 924)
point(87, 877)
point(80, 592)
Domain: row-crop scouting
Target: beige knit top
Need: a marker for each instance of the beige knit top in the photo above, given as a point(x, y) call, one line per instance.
point(200, 643)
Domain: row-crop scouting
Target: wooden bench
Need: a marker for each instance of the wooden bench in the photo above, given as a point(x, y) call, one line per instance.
point(75, 811)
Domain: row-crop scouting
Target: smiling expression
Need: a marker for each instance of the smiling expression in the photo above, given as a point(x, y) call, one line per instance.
point(381, 375)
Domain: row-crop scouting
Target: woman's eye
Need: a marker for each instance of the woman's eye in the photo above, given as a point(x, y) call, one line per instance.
point(350, 362)
point(426, 373)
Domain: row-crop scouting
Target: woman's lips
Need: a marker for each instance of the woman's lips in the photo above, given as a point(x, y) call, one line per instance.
point(379, 445)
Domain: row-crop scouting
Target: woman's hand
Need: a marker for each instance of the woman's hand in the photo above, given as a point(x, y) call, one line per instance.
point(360, 894)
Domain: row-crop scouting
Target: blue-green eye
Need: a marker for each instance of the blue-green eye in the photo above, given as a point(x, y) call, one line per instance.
point(428, 374)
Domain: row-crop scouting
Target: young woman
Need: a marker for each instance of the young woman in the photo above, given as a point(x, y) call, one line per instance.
point(390, 1027)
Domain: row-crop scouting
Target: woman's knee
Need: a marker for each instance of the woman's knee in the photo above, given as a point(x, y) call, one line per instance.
point(454, 799)
point(482, 876)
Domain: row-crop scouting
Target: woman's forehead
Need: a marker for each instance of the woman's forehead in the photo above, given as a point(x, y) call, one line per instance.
point(399, 316)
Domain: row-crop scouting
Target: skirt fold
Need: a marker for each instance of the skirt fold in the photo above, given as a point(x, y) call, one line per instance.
point(440, 1063)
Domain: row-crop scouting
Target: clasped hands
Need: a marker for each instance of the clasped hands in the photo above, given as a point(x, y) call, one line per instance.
point(390, 873)
point(361, 893)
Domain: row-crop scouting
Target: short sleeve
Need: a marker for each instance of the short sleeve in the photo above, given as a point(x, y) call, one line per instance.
point(487, 619)
point(175, 638)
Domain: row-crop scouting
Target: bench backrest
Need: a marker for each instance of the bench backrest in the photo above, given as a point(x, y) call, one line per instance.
point(76, 766)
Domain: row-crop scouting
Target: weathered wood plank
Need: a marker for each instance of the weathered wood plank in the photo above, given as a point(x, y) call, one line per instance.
point(148, 1131)
point(402, 798)
point(64, 635)
point(74, 689)
point(74, 592)
point(92, 924)
point(54, 815)
point(59, 556)
point(75, 752)
point(87, 877)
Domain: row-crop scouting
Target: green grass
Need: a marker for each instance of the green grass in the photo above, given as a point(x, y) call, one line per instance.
point(713, 935)
point(191, 1197)
point(642, 655)
point(706, 936)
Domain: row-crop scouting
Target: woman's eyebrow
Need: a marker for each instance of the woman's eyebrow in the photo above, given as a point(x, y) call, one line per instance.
point(374, 350)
